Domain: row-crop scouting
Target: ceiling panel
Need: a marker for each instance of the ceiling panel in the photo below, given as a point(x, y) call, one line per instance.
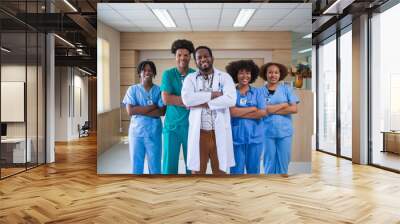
point(166, 5)
point(127, 6)
point(204, 28)
point(103, 6)
point(241, 5)
point(203, 5)
point(290, 22)
point(178, 14)
point(108, 15)
point(199, 22)
point(305, 6)
point(137, 14)
point(204, 13)
point(271, 13)
point(279, 5)
point(206, 17)
point(282, 28)
point(304, 14)
point(263, 23)
point(148, 23)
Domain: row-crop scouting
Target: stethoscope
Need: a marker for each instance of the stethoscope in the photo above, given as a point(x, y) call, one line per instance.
point(210, 84)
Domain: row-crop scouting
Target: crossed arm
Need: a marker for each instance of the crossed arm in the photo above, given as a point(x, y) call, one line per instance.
point(282, 108)
point(255, 113)
point(152, 110)
point(171, 99)
point(248, 112)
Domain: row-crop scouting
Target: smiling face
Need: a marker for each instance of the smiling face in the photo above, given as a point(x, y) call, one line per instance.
point(147, 73)
point(273, 74)
point(182, 57)
point(244, 77)
point(204, 61)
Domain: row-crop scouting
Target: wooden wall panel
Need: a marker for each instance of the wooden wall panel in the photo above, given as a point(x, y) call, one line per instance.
point(129, 58)
point(129, 76)
point(282, 56)
point(123, 90)
point(124, 114)
point(303, 123)
point(108, 124)
point(215, 40)
point(125, 128)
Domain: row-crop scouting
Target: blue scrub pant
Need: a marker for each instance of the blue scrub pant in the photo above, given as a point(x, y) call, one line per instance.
point(149, 147)
point(277, 153)
point(247, 155)
point(173, 139)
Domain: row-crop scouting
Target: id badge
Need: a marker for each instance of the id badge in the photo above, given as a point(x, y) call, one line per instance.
point(268, 99)
point(243, 101)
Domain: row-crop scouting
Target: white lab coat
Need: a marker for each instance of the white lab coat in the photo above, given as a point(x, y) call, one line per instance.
point(192, 96)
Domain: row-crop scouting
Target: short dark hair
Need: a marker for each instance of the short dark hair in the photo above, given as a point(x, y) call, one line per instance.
point(141, 65)
point(182, 44)
point(234, 67)
point(202, 47)
point(282, 70)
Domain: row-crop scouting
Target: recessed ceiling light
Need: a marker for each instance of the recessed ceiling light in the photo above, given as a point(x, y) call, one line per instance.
point(164, 17)
point(70, 5)
point(243, 17)
point(308, 36)
point(5, 49)
point(305, 50)
point(64, 40)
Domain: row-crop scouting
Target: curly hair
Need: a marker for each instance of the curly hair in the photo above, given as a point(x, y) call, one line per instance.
point(234, 67)
point(282, 70)
point(141, 65)
point(182, 44)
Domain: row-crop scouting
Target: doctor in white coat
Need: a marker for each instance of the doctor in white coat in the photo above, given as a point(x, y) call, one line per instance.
point(209, 93)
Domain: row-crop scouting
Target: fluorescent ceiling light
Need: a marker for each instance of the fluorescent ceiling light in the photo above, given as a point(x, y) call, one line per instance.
point(243, 17)
point(70, 5)
point(84, 71)
point(5, 49)
point(308, 36)
point(65, 41)
point(164, 17)
point(305, 50)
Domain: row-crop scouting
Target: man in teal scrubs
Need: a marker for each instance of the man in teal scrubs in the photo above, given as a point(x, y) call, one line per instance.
point(175, 131)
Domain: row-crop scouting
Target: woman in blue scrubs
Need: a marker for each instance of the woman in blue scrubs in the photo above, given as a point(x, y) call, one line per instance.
point(281, 103)
point(144, 106)
point(246, 118)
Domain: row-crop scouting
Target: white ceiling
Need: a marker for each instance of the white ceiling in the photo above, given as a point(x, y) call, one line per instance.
point(138, 17)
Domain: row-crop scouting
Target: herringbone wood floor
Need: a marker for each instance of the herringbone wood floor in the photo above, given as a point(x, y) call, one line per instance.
point(70, 191)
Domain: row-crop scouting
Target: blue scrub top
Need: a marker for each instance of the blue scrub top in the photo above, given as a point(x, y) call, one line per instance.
point(141, 125)
point(276, 125)
point(245, 130)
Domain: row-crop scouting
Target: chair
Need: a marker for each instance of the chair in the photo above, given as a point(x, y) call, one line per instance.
point(84, 130)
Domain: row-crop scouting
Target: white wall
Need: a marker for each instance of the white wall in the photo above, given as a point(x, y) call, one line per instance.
point(108, 87)
point(67, 81)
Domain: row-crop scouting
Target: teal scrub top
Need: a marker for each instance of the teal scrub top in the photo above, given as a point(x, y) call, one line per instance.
point(276, 125)
point(245, 130)
point(172, 83)
point(142, 125)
